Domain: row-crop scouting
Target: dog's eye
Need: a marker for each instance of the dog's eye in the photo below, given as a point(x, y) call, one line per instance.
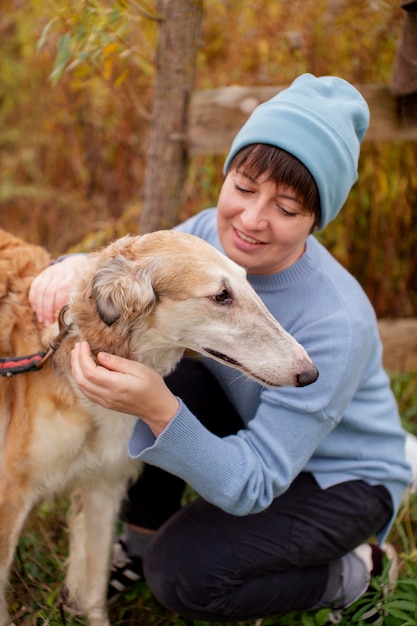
point(223, 297)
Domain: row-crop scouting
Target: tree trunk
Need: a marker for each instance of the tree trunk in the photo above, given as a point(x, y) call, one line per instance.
point(166, 160)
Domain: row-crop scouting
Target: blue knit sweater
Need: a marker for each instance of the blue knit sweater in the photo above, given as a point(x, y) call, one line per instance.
point(343, 427)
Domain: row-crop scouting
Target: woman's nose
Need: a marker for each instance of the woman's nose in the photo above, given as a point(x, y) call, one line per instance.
point(254, 217)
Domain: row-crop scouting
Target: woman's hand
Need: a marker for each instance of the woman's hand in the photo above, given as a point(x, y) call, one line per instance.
point(123, 385)
point(50, 290)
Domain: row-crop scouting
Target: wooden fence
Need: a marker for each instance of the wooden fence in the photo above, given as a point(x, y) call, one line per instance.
point(217, 114)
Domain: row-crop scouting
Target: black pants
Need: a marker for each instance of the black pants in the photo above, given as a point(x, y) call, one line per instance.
point(206, 564)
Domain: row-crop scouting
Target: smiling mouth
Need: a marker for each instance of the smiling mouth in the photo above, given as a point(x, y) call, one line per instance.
point(247, 238)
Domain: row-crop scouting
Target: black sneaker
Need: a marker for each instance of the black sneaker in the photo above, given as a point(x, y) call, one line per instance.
point(125, 572)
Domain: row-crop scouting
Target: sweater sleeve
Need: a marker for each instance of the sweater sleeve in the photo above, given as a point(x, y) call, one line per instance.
point(240, 473)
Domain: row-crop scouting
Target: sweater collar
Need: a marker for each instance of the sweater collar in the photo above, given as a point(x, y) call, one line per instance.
point(297, 272)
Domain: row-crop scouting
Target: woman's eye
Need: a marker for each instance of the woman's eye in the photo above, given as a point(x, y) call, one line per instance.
point(286, 212)
point(223, 297)
point(242, 189)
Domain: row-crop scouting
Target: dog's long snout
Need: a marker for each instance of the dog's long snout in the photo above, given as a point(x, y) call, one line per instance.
point(308, 373)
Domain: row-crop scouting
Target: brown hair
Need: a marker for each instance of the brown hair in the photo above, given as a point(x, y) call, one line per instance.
point(282, 168)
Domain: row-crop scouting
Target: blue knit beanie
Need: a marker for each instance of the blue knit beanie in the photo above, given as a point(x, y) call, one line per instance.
point(321, 121)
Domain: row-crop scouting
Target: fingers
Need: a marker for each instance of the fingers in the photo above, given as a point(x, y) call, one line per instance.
point(113, 376)
point(86, 372)
point(90, 378)
point(45, 296)
point(119, 364)
point(103, 384)
point(125, 386)
point(50, 290)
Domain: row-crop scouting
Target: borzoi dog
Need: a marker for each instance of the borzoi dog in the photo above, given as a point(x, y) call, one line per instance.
point(146, 298)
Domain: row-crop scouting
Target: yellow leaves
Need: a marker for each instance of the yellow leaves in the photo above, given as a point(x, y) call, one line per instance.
point(122, 77)
point(108, 67)
point(110, 49)
point(93, 39)
point(110, 54)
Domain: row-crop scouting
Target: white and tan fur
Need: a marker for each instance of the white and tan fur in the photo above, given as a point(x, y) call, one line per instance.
point(145, 298)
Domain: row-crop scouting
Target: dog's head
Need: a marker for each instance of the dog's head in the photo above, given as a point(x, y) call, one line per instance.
point(149, 298)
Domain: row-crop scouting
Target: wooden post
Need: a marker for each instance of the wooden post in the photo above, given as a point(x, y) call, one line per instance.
point(166, 159)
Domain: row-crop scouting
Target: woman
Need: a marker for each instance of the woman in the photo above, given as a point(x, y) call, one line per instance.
point(293, 482)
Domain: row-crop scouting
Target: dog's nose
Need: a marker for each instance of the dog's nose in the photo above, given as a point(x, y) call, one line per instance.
point(308, 374)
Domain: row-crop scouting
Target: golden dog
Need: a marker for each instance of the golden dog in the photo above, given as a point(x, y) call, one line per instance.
point(145, 298)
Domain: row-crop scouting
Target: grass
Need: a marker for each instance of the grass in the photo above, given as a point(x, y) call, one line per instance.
point(39, 566)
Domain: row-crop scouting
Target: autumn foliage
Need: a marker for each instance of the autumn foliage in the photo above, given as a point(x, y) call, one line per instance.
point(75, 100)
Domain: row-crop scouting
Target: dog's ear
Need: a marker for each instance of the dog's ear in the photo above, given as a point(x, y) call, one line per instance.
point(120, 290)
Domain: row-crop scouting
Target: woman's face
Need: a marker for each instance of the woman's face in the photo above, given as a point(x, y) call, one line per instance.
point(261, 226)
